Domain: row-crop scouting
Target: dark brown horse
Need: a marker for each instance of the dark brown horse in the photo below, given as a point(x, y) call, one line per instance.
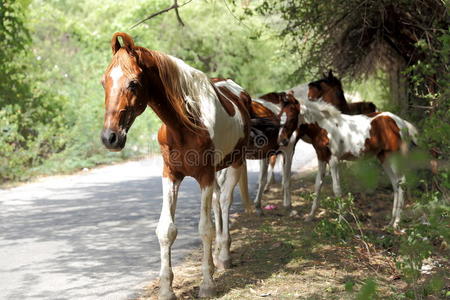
point(274, 126)
point(329, 89)
point(203, 131)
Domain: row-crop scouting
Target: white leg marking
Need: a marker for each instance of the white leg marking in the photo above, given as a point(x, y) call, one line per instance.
point(270, 177)
point(223, 261)
point(318, 185)
point(262, 182)
point(205, 228)
point(397, 180)
point(334, 170)
point(217, 216)
point(167, 232)
point(287, 164)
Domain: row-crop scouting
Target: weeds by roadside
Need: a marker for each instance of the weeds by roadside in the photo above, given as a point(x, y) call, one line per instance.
point(344, 254)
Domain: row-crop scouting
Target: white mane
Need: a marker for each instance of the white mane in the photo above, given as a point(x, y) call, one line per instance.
point(300, 91)
point(315, 111)
point(195, 87)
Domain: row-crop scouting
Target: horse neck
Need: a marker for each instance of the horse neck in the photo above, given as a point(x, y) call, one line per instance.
point(337, 99)
point(312, 115)
point(159, 103)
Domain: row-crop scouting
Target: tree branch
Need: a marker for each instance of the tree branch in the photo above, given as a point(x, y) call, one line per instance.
point(174, 6)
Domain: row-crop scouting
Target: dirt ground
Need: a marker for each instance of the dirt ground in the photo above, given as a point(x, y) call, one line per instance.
point(277, 256)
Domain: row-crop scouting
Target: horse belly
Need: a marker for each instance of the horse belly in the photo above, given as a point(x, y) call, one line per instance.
point(228, 133)
point(349, 137)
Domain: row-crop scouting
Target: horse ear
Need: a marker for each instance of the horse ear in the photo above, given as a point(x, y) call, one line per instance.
point(127, 41)
point(283, 97)
point(330, 74)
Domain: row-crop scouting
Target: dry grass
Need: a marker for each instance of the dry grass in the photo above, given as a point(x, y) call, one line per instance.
point(280, 257)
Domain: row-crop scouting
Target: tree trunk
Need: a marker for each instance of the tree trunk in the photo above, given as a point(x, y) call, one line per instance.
point(398, 86)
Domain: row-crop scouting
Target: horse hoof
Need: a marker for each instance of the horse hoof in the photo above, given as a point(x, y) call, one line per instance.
point(207, 291)
point(308, 218)
point(288, 207)
point(248, 210)
point(223, 264)
point(293, 213)
point(167, 296)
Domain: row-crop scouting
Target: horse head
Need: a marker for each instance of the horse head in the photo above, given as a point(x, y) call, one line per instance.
point(125, 95)
point(289, 114)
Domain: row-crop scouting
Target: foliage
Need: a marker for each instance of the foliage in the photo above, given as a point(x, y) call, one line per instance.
point(429, 228)
point(29, 116)
point(53, 54)
point(368, 290)
point(353, 36)
point(339, 224)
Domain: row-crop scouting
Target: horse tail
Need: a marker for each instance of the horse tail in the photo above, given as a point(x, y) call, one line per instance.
point(243, 188)
point(410, 140)
point(412, 132)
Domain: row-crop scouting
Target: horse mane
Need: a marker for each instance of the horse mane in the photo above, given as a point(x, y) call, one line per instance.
point(183, 84)
point(314, 111)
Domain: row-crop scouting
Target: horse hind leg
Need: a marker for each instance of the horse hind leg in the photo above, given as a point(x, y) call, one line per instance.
point(167, 232)
point(397, 182)
point(243, 188)
point(223, 239)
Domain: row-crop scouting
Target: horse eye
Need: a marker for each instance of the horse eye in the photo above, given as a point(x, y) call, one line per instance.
point(132, 85)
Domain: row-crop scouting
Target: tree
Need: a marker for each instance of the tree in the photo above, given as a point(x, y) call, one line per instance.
point(14, 38)
point(357, 37)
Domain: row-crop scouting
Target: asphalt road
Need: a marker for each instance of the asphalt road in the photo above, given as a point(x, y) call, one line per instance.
point(92, 235)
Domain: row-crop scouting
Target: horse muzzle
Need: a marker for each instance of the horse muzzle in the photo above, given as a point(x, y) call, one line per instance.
point(283, 142)
point(113, 140)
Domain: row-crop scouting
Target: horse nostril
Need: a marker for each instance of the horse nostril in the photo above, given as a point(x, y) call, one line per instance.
point(112, 139)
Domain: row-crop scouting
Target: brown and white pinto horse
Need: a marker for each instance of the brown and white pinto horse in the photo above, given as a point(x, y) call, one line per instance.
point(329, 89)
point(202, 132)
point(336, 136)
point(286, 107)
point(269, 112)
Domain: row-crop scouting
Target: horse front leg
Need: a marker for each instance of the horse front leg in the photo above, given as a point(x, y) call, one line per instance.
point(287, 166)
point(270, 173)
point(262, 182)
point(167, 232)
point(205, 228)
point(318, 185)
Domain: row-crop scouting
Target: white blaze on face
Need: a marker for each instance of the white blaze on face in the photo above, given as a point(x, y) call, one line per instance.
point(283, 119)
point(116, 74)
